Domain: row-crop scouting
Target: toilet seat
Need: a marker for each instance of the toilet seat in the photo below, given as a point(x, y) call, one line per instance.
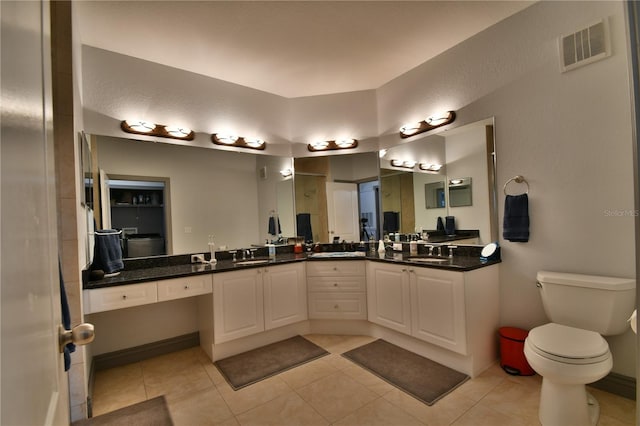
point(568, 345)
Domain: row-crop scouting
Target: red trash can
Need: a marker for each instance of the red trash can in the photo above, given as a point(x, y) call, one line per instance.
point(512, 359)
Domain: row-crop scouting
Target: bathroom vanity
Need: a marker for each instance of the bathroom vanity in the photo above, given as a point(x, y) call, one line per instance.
point(446, 310)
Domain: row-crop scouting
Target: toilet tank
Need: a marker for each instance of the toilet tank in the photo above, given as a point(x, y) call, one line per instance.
point(590, 302)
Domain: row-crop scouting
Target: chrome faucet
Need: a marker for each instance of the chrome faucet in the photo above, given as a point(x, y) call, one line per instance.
point(244, 253)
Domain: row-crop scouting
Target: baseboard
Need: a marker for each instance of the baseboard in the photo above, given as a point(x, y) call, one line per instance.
point(617, 384)
point(136, 354)
point(150, 350)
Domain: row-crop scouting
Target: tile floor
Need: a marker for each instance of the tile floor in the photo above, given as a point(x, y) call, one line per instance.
point(327, 391)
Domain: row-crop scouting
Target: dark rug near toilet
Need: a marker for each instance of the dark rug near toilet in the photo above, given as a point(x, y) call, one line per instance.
point(153, 412)
point(418, 376)
point(250, 367)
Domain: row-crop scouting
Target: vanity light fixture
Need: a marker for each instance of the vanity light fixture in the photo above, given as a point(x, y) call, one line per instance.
point(430, 123)
point(456, 181)
point(430, 167)
point(286, 172)
point(141, 127)
point(237, 141)
point(332, 145)
point(407, 164)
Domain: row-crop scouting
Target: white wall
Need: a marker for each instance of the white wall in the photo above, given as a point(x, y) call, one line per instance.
point(212, 192)
point(568, 134)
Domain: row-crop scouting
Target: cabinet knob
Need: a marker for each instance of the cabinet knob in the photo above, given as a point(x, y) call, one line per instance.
point(335, 284)
point(124, 296)
point(335, 306)
point(186, 287)
point(335, 268)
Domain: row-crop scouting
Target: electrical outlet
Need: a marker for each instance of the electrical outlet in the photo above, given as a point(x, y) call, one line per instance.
point(197, 258)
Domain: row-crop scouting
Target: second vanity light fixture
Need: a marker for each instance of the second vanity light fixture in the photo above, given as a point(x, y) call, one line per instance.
point(332, 145)
point(238, 141)
point(141, 127)
point(430, 123)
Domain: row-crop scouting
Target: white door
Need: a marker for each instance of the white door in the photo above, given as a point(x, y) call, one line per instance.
point(105, 200)
point(34, 384)
point(342, 210)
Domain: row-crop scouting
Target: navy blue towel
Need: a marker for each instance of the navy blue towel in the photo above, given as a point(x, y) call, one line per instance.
point(66, 320)
point(450, 225)
point(516, 218)
point(273, 230)
point(303, 225)
point(107, 251)
point(390, 222)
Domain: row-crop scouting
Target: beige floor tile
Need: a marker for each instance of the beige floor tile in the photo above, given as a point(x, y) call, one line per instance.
point(515, 398)
point(118, 387)
point(336, 396)
point(253, 395)
point(201, 408)
point(442, 413)
point(286, 409)
point(614, 406)
point(338, 344)
point(478, 387)
point(379, 413)
point(337, 361)
point(480, 415)
point(214, 374)
point(188, 378)
point(307, 373)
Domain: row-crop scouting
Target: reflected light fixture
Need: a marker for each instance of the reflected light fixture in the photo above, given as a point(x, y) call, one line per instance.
point(286, 172)
point(332, 145)
point(430, 123)
point(237, 141)
point(407, 164)
point(430, 167)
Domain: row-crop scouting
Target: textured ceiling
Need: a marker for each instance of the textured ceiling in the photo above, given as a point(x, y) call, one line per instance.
point(289, 48)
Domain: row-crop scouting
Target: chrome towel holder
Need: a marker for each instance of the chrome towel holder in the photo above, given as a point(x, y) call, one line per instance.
point(516, 179)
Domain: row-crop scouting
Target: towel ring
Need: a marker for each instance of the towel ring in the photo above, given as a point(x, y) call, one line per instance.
point(516, 179)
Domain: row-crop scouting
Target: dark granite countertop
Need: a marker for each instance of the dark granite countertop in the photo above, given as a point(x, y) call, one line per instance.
point(466, 259)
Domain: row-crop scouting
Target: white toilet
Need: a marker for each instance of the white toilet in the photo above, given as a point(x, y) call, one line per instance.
point(570, 351)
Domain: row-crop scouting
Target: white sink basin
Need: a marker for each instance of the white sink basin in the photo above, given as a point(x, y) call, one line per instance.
point(252, 262)
point(428, 259)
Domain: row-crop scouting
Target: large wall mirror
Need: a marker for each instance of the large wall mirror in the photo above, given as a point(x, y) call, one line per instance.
point(170, 199)
point(460, 184)
point(336, 197)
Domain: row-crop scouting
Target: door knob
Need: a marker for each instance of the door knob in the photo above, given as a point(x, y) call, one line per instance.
point(81, 334)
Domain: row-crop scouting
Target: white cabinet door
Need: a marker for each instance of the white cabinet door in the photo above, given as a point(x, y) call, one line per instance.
point(238, 309)
point(285, 295)
point(438, 308)
point(388, 296)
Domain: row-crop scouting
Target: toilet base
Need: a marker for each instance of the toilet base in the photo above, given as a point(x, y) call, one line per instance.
point(567, 405)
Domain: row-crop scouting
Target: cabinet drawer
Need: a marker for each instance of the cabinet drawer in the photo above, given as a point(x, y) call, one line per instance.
point(336, 268)
point(333, 284)
point(178, 288)
point(337, 306)
point(124, 296)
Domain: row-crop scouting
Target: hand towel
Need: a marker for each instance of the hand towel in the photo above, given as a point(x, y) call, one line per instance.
point(516, 218)
point(66, 320)
point(439, 224)
point(450, 225)
point(274, 225)
point(303, 225)
point(107, 251)
point(391, 222)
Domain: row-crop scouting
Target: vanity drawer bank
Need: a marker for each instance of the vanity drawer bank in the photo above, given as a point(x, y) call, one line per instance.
point(337, 289)
point(452, 321)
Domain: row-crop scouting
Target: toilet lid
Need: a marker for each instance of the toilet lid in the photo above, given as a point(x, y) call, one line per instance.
point(569, 343)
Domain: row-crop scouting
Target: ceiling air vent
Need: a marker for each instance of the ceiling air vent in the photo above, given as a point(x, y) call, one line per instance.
point(584, 46)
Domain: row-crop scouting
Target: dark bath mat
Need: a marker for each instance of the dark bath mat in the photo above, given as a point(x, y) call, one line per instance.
point(250, 367)
point(418, 376)
point(153, 412)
